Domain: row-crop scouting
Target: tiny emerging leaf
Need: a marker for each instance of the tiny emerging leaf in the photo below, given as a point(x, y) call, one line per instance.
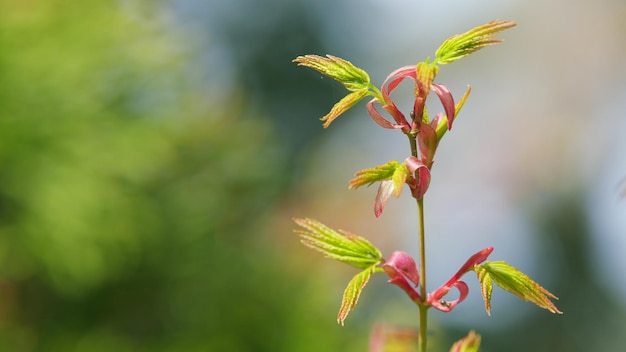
point(341, 246)
point(425, 73)
point(387, 338)
point(469, 343)
point(461, 45)
point(514, 281)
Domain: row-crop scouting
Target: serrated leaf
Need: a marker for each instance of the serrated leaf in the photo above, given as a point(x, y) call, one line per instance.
point(360, 241)
point(516, 282)
point(461, 45)
point(353, 78)
point(352, 293)
point(343, 71)
point(486, 286)
point(469, 343)
point(343, 105)
point(391, 176)
point(374, 174)
point(344, 247)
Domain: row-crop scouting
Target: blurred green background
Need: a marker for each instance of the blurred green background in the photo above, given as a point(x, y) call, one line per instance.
point(152, 154)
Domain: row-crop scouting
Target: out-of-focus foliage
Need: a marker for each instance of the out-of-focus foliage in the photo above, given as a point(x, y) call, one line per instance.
point(131, 204)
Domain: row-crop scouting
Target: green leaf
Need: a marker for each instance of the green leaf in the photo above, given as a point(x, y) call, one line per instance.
point(352, 292)
point(353, 78)
point(399, 177)
point(343, 71)
point(514, 281)
point(389, 171)
point(344, 247)
point(343, 105)
point(341, 246)
point(426, 72)
point(461, 45)
point(469, 343)
point(486, 286)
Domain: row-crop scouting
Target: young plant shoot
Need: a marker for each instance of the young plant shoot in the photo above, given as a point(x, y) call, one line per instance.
point(424, 134)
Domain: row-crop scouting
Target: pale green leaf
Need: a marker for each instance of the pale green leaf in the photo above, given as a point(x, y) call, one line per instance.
point(341, 246)
point(352, 293)
point(516, 282)
point(486, 286)
point(461, 45)
point(343, 105)
point(343, 71)
point(399, 177)
point(375, 174)
point(426, 72)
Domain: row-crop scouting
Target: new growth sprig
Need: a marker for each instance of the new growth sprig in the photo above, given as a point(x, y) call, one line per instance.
point(424, 134)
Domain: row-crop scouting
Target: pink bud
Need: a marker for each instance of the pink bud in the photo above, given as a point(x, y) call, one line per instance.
point(420, 176)
point(402, 269)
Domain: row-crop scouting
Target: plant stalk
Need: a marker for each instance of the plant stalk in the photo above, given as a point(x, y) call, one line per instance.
point(422, 258)
point(422, 269)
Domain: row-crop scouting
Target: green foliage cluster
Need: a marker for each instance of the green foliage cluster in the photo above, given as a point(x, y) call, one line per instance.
point(128, 198)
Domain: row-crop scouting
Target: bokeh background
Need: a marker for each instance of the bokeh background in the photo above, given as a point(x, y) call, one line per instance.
point(152, 154)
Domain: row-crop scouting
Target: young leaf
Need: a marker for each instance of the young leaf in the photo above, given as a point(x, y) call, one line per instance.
point(386, 338)
point(385, 190)
point(388, 188)
point(514, 281)
point(343, 71)
point(486, 286)
point(469, 343)
point(342, 106)
point(425, 75)
point(352, 292)
point(341, 246)
point(353, 78)
point(392, 177)
point(461, 45)
point(374, 174)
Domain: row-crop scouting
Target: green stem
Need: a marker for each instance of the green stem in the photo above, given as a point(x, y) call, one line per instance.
point(422, 260)
point(422, 268)
point(413, 142)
